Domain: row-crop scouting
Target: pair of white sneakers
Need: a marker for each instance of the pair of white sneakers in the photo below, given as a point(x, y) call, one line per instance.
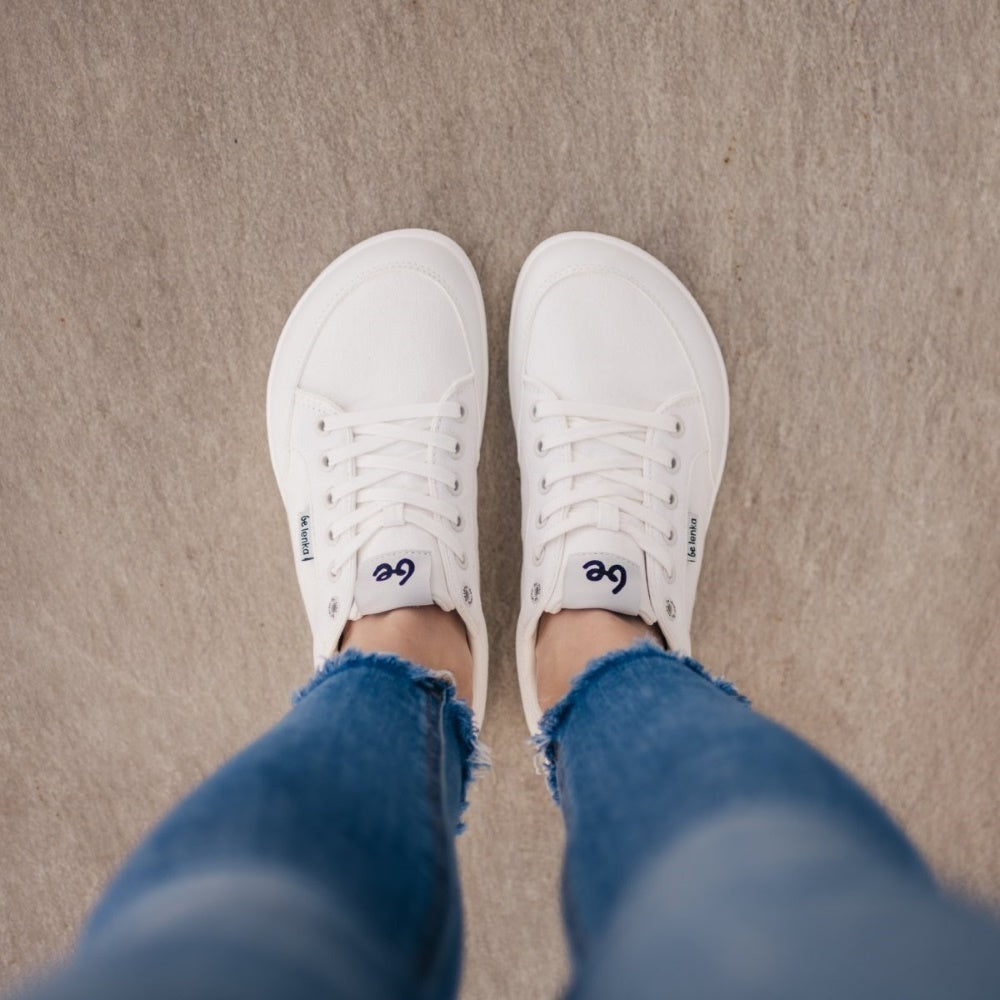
point(376, 402)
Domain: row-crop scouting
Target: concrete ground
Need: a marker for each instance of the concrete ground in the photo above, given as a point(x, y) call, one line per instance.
point(823, 175)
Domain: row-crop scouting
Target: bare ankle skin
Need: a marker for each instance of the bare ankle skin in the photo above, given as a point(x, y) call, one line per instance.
point(427, 636)
point(568, 640)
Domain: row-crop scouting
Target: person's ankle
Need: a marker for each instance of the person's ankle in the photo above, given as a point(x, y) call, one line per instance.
point(427, 635)
point(568, 640)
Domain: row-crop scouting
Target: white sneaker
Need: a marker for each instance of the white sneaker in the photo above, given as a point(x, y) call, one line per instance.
point(375, 408)
point(621, 409)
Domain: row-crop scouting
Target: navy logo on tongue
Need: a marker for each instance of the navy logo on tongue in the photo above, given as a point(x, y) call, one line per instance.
point(597, 571)
point(602, 580)
point(386, 571)
point(398, 579)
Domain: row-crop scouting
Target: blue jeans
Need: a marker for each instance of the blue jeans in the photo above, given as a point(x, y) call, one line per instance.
point(710, 853)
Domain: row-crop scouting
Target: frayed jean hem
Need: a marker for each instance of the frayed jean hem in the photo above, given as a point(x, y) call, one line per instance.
point(554, 719)
point(439, 684)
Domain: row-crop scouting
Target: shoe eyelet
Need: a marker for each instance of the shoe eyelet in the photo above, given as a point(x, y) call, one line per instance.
point(678, 428)
point(675, 463)
point(322, 425)
point(333, 572)
point(671, 610)
point(670, 574)
point(539, 447)
point(543, 486)
point(537, 558)
point(671, 536)
point(534, 413)
point(457, 450)
point(458, 522)
point(455, 488)
point(462, 411)
point(326, 461)
point(540, 520)
point(462, 560)
point(330, 501)
point(329, 535)
point(672, 502)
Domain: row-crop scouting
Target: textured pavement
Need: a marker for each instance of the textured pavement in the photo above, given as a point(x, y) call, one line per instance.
point(823, 176)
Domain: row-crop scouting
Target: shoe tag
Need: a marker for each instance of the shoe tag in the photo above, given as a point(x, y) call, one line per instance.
point(304, 536)
point(602, 580)
point(400, 579)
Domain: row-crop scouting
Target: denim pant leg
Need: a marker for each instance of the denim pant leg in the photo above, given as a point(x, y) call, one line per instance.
point(319, 862)
point(711, 853)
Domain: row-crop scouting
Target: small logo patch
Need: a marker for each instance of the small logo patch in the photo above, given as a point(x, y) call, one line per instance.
point(386, 571)
point(397, 579)
point(596, 571)
point(692, 539)
point(602, 580)
point(305, 537)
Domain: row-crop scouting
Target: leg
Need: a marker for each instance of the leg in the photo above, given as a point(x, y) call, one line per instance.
point(712, 853)
point(318, 862)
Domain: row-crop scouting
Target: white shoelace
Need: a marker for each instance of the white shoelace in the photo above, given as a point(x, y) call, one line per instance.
point(379, 501)
point(608, 490)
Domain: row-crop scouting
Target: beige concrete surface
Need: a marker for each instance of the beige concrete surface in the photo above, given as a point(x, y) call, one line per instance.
point(823, 175)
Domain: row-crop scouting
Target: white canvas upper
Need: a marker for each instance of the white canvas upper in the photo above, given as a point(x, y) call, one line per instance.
point(375, 408)
point(621, 409)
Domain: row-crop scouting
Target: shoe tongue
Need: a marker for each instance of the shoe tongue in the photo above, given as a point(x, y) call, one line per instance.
point(399, 568)
point(602, 566)
point(601, 569)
